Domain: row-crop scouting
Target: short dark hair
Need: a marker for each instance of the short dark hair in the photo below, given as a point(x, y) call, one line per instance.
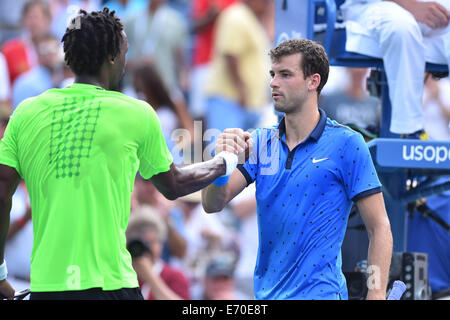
point(90, 38)
point(314, 58)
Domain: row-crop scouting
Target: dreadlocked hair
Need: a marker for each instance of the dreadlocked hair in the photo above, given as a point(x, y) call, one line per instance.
point(90, 38)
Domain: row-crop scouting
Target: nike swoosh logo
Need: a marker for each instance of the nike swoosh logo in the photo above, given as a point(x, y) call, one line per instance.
point(314, 160)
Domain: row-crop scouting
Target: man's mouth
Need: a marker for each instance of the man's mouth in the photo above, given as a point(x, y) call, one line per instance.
point(276, 94)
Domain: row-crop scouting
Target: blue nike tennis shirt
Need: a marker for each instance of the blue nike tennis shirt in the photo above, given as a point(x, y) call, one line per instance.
point(304, 197)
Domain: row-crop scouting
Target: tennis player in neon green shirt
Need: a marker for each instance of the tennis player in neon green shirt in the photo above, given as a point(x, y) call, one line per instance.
point(79, 149)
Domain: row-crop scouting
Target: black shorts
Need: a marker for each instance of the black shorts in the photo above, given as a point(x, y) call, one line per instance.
point(90, 294)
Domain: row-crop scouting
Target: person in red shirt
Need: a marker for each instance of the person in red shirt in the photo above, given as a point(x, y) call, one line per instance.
point(158, 280)
point(19, 53)
point(204, 15)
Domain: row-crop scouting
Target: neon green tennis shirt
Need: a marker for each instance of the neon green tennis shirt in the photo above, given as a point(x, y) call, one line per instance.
point(79, 149)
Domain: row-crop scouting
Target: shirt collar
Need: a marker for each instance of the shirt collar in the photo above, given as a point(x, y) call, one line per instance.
point(315, 134)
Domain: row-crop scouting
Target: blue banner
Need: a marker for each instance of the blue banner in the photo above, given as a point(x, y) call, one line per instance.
point(413, 153)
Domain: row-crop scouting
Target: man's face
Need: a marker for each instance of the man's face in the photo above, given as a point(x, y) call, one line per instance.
point(289, 87)
point(36, 21)
point(219, 287)
point(50, 54)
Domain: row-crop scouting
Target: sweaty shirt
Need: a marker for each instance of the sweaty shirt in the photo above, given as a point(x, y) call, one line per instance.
point(79, 149)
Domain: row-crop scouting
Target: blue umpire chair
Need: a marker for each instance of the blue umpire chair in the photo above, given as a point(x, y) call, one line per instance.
point(396, 160)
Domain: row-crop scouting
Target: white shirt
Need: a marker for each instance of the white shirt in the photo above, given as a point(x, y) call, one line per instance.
point(5, 89)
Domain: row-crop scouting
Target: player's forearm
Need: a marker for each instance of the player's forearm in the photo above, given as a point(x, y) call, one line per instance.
point(5, 208)
point(379, 259)
point(214, 198)
point(197, 176)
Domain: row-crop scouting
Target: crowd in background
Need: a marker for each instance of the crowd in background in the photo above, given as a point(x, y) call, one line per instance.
point(198, 60)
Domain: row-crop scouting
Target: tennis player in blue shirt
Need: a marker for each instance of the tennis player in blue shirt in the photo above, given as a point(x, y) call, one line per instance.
point(308, 171)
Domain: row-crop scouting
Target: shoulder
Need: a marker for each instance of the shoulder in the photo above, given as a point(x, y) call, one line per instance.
point(24, 106)
point(341, 135)
point(130, 102)
point(25, 111)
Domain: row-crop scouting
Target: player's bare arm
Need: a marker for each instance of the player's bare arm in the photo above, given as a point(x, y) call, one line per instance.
point(9, 180)
point(179, 181)
point(373, 213)
point(215, 197)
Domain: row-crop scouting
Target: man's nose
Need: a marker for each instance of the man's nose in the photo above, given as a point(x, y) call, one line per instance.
point(274, 82)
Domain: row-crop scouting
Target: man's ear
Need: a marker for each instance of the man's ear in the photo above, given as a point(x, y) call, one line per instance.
point(110, 59)
point(314, 82)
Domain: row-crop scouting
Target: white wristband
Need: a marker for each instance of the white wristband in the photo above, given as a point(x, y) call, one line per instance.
point(231, 161)
point(3, 271)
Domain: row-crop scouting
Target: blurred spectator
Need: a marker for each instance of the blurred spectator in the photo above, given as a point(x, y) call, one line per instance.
point(161, 33)
point(148, 196)
point(10, 19)
point(219, 281)
point(158, 280)
point(181, 6)
point(172, 113)
point(5, 88)
point(338, 78)
point(64, 10)
point(237, 87)
point(205, 235)
point(353, 105)
point(204, 15)
point(20, 52)
point(49, 73)
point(436, 108)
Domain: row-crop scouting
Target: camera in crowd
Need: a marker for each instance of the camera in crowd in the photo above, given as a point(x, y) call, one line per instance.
point(138, 247)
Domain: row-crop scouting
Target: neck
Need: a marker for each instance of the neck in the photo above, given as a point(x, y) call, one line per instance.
point(98, 81)
point(300, 124)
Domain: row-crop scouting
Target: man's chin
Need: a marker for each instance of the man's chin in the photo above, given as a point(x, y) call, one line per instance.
point(279, 108)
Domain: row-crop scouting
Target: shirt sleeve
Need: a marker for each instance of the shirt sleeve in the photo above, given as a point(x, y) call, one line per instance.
point(358, 171)
point(153, 153)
